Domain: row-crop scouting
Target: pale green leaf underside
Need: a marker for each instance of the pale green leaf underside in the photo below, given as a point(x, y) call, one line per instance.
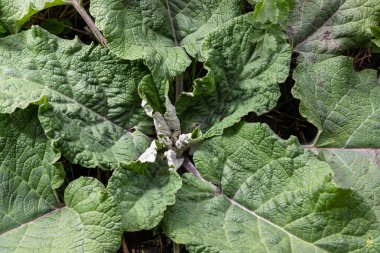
point(92, 96)
point(143, 197)
point(318, 27)
point(343, 104)
point(27, 170)
point(161, 32)
point(14, 13)
point(239, 79)
point(154, 93)
point(89, 223)
point(275, 197)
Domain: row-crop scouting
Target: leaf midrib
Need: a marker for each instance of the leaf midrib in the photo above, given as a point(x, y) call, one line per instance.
point(172, 24)
point(43, 87)
point(35, 219)
point(252, 213)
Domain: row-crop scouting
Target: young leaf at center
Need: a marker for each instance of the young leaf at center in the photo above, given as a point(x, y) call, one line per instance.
point(239, 80)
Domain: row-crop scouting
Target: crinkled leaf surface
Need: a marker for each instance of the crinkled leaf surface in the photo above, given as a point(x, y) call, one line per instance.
point(92, 96)
point(89, 223)
point(154, 93)
point(271, 20)
point(343, 104)
point(28, 172)
point(274, 197)
point(345, 107)
point(239, 79)
point(143, 196)
point(272, 11)
point(160, 31)
point(358, 169)
point(323, 28)
point(14, 13)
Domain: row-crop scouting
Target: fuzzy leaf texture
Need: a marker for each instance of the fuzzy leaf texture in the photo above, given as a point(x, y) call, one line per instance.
point(14, 13)
point(274, 197)
point(272, 11)
point(345, 107)
point(28, 170)
point(142, 197)
point(271, 18)
point(343, 104)
point(92, 98)
point(239, 79)
point(358, 169)
point(89, 223)
point(31, 218)
point(161, 32)
point(319, 29)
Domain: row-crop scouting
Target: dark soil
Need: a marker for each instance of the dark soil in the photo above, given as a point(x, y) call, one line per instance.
point(285, 119)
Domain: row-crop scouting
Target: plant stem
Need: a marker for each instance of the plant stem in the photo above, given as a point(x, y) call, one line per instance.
point(176, 248)
point(189, 167)
point(124, 245)
point(178, 86)
point(57, 198)
point(90, 23)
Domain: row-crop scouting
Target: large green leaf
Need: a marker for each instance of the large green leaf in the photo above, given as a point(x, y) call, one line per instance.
point(30, 217)
point(343, 104)
point(274, 197)
point(239, 81)
point(358, 169)
point(345, 107)
point(93, 101)
point(28, 171)
point(325, 28)
point(143, 197)
point(14, 13)
point(89, 223)
point(161, 32)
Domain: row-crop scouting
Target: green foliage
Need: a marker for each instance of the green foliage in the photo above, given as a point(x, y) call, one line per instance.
point(343, 104)
point(270, 17)
point(89, 223)
point(274, 197)
point(239, 80)
point(28, 170)
point(376, 32)
point(142, 197)
point(324, 29)
point(88, 98)
point(160, 110)
point(161, 32)
point(14, 13)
